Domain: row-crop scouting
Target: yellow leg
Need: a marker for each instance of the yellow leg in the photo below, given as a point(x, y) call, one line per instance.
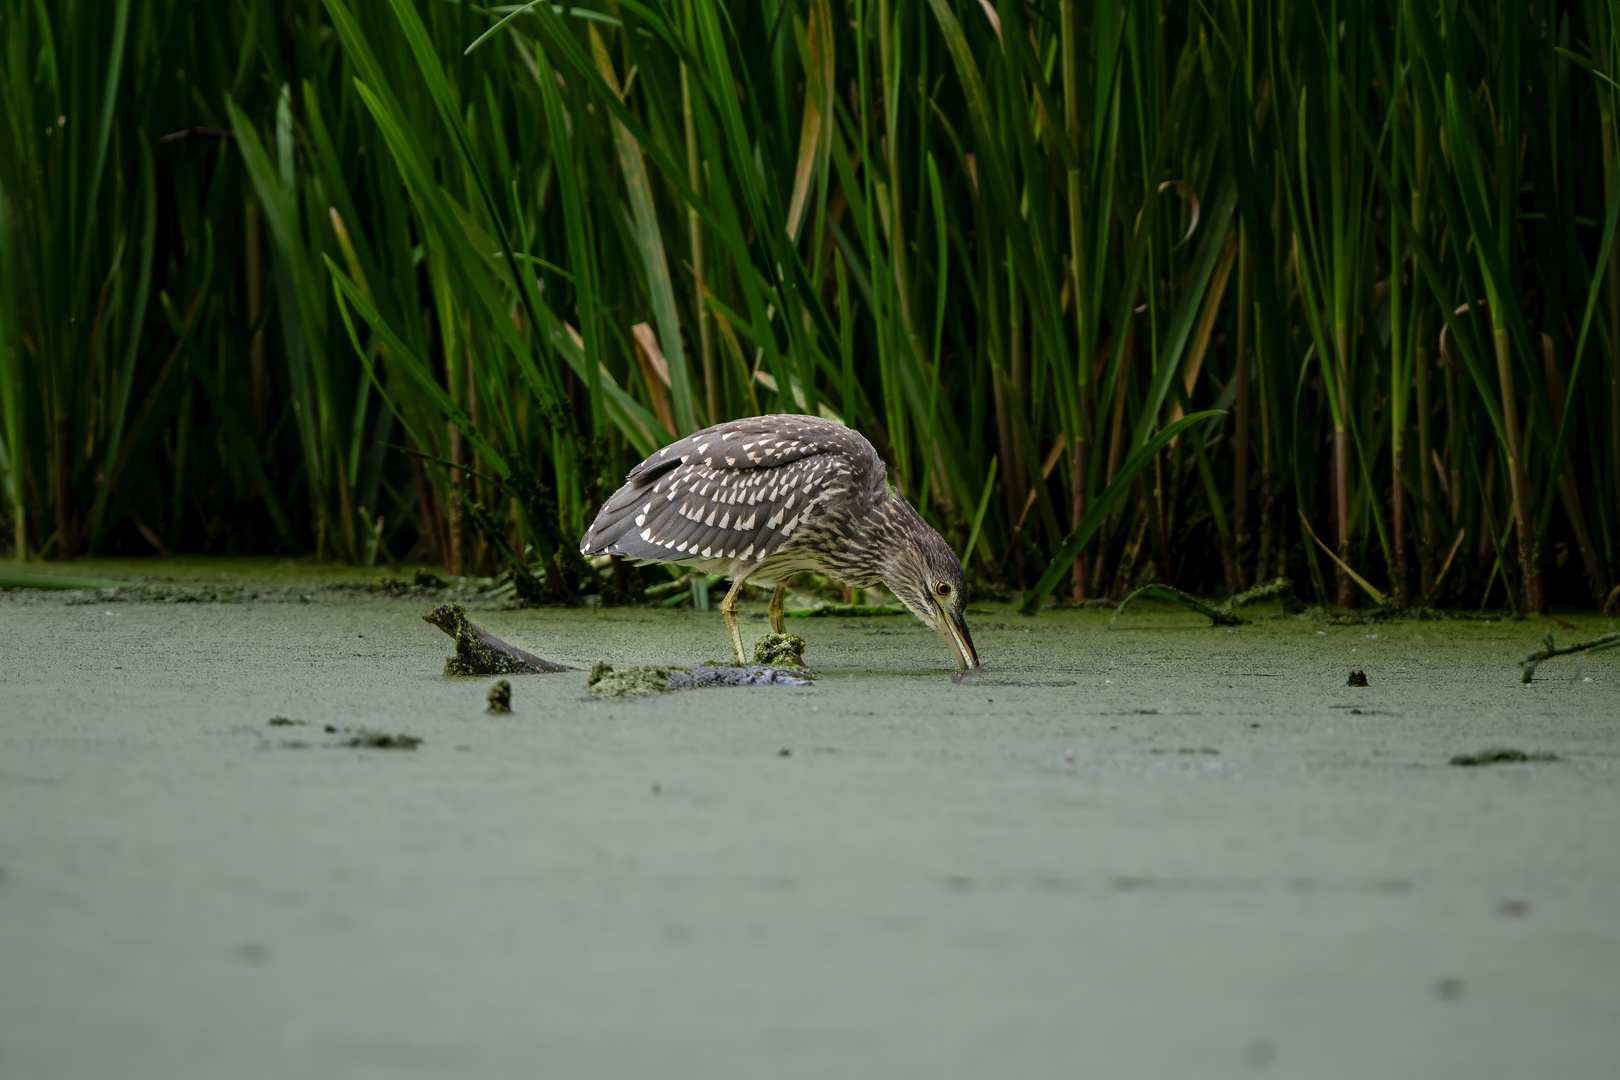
point(728, 613)
point(778, 601)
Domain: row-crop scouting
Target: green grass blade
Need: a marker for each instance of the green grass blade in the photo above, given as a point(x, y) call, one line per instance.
point(1109, 498)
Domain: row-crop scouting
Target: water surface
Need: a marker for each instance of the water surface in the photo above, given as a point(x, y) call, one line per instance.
point(1164, 850)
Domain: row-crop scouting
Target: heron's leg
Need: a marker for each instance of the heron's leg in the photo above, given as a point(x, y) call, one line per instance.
point(778, 602)
point(728, 613)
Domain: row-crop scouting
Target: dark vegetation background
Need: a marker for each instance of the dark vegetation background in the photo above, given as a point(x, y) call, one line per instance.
point(311, 276)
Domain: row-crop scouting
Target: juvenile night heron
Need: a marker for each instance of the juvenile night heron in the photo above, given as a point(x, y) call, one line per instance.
point(764, 498)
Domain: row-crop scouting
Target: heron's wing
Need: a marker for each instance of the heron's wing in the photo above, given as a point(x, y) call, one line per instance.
point(739, 490)
point(764, 442)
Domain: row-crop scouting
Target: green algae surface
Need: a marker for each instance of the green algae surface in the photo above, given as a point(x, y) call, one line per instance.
point(1163, 850)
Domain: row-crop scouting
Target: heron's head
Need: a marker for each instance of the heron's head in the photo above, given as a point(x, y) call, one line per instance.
point(927, 577)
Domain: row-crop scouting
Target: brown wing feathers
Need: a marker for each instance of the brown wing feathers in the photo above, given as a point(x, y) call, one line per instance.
point(737, 490)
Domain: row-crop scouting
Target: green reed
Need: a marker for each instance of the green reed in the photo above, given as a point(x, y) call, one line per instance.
point(1119, 290)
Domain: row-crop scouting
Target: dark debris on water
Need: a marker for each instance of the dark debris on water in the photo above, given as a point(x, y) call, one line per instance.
point(1500, 755)
point(366, 739)
point(359, 738)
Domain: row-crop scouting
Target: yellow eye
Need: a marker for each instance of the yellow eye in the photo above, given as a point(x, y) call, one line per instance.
point(943, 589)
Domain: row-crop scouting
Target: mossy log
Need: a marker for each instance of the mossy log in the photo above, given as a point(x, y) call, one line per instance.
point(478, 652)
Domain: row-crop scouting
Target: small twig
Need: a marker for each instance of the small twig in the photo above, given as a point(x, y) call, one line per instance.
point(198, 133)
point(150, 537)
point(1550, 650)
point(433, 459)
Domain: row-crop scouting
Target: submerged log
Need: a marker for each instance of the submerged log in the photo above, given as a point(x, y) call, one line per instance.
point(639, 680)
point(478, 652)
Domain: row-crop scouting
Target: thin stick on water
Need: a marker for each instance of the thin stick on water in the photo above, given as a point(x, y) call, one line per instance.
point(1550, 650)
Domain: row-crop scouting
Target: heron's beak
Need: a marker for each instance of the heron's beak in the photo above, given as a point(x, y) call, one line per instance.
point(961, 642)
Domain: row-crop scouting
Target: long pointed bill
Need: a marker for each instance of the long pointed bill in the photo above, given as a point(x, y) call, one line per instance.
point(961, 642)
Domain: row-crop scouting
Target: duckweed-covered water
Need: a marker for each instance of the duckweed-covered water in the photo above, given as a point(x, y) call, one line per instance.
point(1164, 851)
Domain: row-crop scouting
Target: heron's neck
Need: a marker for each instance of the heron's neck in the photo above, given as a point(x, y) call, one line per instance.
point(898, 524)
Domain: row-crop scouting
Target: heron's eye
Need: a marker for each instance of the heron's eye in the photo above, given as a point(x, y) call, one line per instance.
point(943, 588)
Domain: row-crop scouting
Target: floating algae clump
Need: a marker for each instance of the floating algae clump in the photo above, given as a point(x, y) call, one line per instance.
point(365, 739)
point(478, 652)
point(780, 650)
point(1500, 755)
point(500, 697)
point(640, 680)
point(424, 583)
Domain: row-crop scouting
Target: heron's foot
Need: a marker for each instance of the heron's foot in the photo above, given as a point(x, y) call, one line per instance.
point(734, 633)
point(728, 615)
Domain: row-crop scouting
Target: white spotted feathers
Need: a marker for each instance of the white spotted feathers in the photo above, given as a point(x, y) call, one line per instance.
point(753, 497)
